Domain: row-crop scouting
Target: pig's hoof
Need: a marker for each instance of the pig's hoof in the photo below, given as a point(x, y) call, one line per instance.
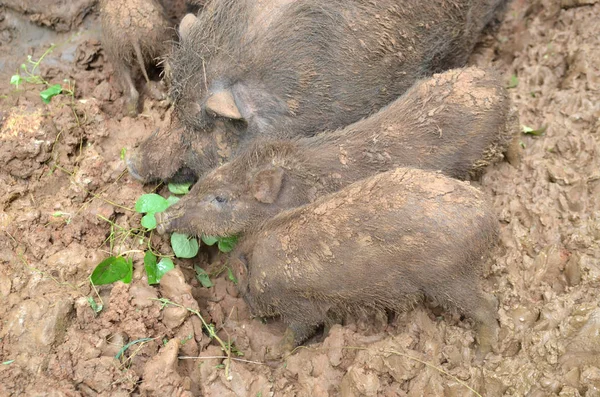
point(513, 153)
point(132, 109)
point(480, 354)
point(155, 91)
point(284, 348)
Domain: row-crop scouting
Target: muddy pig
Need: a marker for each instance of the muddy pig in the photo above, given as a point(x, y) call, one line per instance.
point(282, 68)
point(384, 242)
point(456, 122)
point(134, 31)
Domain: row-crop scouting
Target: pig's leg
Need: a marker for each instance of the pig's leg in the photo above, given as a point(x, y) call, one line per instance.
point(466, 295)
point(485, 315)
point(128, 86)
point(303, 320)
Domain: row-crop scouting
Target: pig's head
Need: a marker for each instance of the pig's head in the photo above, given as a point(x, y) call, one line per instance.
point(213, 85)
point(159, 157)
point(239, 195)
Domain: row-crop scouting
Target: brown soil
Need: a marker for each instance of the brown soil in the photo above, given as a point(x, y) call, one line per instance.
point(60, 172)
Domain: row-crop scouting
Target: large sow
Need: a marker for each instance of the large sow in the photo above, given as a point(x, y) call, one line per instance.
point(384, 242)
point(282, 68)
point(456, 122)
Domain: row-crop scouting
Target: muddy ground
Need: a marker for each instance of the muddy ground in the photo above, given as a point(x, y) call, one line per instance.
point(66, 203)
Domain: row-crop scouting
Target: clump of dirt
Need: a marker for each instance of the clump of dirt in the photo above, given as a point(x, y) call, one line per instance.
point(60, 15)
point(66, 204)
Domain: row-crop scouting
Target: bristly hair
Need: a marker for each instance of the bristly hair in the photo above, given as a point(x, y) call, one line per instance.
point(219, 28)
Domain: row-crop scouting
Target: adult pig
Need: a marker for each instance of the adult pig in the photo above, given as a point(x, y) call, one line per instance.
point(280, 68)
point(456, 122)
point(384, 242)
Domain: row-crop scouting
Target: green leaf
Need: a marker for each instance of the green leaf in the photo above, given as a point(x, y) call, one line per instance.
point(536, 132)
point(16, 79)
point(151, 202)
point(513, 82)
point(156, 271)
point(95, 307)
point(50, 92)
point(226, 244)
point(127, 346)
point(172, 200)
point(203, 277)
point(123, 153)
point(8, 362)
point(179, 188)
point(149, 221)
point(150, 266)
point(184, 246)
point(231, 276)
point(209, 240)
point(112, 269)
point(233, 349)
point(129, 275)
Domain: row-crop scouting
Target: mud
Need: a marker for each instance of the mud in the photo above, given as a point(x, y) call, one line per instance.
point(61, 168)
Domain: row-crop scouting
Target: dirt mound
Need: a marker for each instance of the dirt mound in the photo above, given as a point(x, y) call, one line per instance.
point(66, 203)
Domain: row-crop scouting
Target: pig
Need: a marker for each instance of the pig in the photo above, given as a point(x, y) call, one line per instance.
point(134, 31)
point(384, 242)
point(457, 122)
point(279, 68)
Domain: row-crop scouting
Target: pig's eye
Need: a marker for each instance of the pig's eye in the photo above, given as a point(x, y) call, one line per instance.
point(220, 199)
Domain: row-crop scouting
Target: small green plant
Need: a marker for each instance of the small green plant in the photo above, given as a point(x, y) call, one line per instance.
point(29, 73)
point(149, 204)
point(179, 188)
point(203, 277)
point(186, 339)
point(231, 276)
point(97, 308)
point(112, 269)
point(513, 82)
point(225, 244)
point(184, 246)
point(534, 131)
point(117, 268)
point(127, 346)
point(227, 347)
point(156, 270)
point(233, 349)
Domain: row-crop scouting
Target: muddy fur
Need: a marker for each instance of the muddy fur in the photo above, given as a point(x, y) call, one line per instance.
point(302, 67)
point(457, 122)
point(384, 242)
point(134, 32)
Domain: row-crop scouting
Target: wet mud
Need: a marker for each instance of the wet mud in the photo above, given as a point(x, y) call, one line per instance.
point(62, 177)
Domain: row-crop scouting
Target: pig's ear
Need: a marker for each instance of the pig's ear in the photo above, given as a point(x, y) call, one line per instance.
point(185, 26)
point(267, 184)
point(222, 103)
